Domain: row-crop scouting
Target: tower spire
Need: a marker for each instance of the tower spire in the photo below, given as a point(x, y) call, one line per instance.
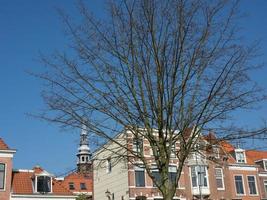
point(84, 163)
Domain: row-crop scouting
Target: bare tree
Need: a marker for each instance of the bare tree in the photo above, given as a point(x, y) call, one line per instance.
point(159, 65)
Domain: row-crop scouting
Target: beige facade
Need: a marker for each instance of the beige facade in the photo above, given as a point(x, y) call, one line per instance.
point(110, 172)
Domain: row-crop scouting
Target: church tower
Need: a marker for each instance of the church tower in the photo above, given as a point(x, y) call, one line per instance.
point(84, 162)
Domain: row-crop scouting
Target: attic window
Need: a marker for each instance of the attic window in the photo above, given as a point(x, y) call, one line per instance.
point(43, 184)
point(83, 186)
point(71, 186)
point(240, 156)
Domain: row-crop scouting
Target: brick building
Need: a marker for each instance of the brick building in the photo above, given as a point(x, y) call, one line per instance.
point(37, 183)
point(6, 164)
point(80, 181)
point(224, 172)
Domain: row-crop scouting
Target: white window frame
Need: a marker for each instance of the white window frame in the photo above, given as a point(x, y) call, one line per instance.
point(244, 155)
point(207, 176)
point(40, 175)
point(141, 146)
point(243, 184)
point(223, 188)
point(216, 151)
point(265, 164)
point(136, 168)
point(5, 172)
point(257, 193)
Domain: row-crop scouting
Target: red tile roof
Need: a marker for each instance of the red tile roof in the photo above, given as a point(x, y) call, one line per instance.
point(256, 155)
point(3, 145)
point(78, 178)
point(22, 183)
point(229, 148)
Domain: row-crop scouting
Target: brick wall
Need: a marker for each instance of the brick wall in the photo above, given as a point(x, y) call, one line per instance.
point(5, 193)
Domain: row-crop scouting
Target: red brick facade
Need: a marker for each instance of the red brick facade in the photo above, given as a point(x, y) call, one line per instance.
point(251, 188)
point(6, 164)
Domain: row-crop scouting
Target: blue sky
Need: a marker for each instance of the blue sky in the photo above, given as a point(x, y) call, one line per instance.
point(30, 26)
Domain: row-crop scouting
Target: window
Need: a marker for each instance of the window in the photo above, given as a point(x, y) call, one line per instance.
point(109, 166)
point(239, 185)
point(43, 184)
point(240, 157)
point(199, 176)
point(71, 186)
point(2, 175)
point(252, 185)
point(155, 173)
point(139, 177)
point(219, 178)
point(172, 173)
point(82, 186)
point(173, 151)
point(265, 186)
point(265, 165)
point(138, 145)
point(216, 152)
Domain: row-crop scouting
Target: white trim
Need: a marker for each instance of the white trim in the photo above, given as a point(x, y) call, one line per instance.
point(45, 174)
point(264, 159)
point(5, 165)
point(263, 175)
point(265, 164)
point(6, 154)
point(257, 193)
point(87, 193)
point(223, 188)
point(23, 170)
point(243, 184)
point(34, 196)
point(244, 155)
point(243, 168)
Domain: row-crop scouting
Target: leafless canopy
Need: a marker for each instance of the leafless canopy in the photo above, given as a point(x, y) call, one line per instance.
point(165, 65)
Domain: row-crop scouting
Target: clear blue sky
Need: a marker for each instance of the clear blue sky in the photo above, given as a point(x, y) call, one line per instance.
point(30, 26)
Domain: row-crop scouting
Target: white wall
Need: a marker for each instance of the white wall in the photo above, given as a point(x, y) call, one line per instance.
point(115, 182)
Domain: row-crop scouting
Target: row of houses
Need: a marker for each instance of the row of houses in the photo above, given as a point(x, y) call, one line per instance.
point(225, 172)
point(38, 184)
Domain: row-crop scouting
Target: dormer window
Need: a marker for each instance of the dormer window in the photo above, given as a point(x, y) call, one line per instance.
point(240, 156)
point(43, 184)
point(265, 165)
